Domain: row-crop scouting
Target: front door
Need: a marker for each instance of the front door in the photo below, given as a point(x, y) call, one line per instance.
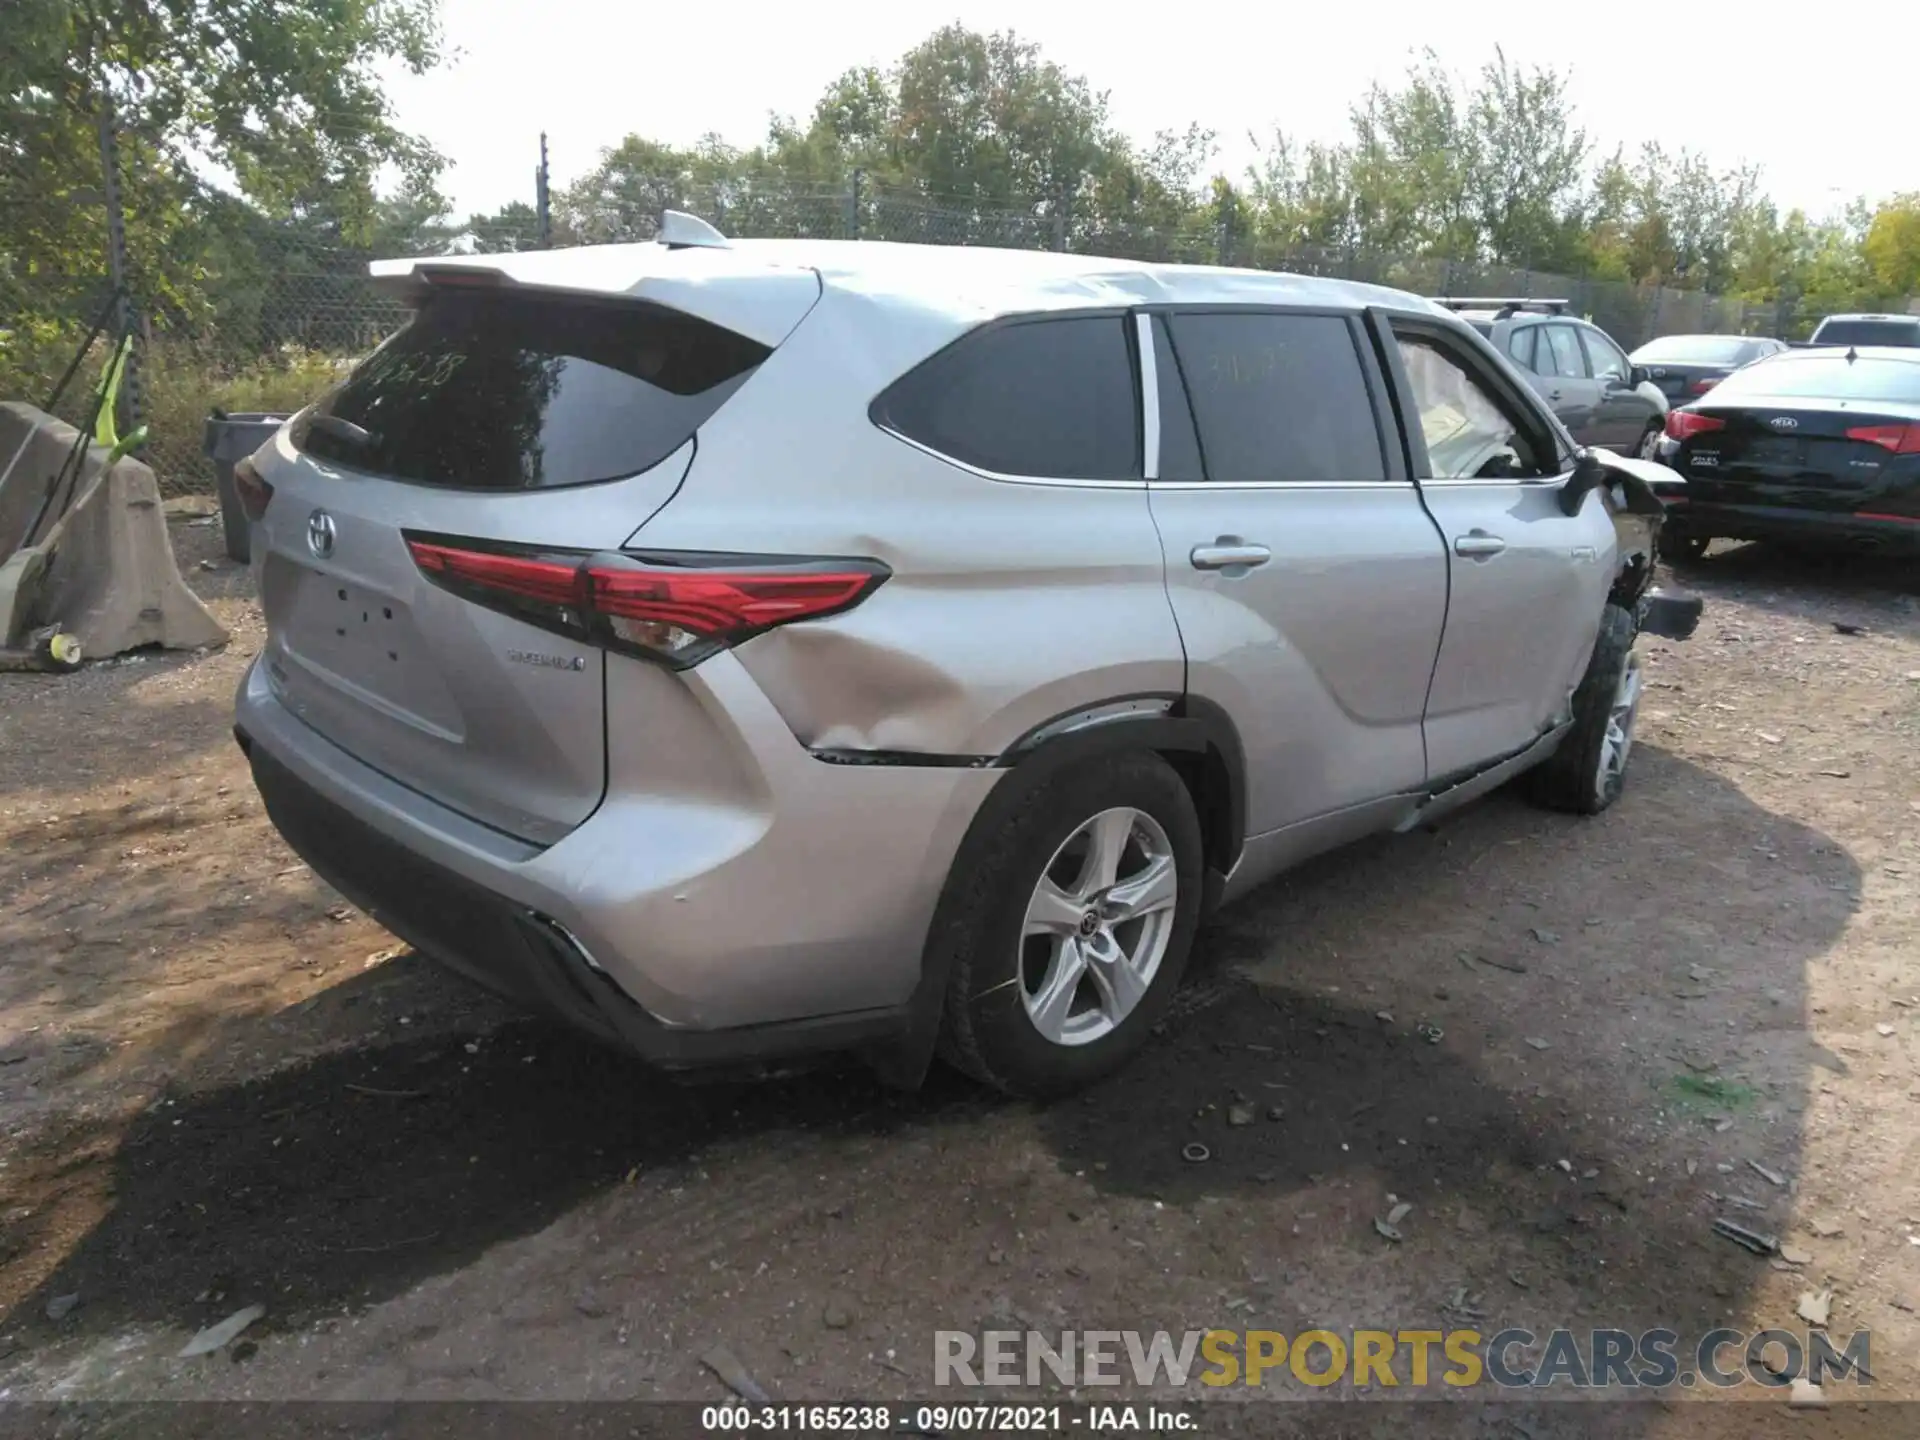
point(1567, 382)
point(1624, 412)
point(1527, 582)
point(1308, 581)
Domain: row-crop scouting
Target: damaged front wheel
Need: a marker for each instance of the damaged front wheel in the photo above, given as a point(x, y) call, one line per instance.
point(1586, 774)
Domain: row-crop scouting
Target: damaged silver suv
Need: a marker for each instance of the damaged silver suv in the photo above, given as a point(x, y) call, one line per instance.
point(742, 649)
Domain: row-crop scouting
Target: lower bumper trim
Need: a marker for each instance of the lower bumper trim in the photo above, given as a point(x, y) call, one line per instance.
point(515, 951)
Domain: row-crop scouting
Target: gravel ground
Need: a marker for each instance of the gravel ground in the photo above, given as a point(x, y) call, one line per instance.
point(1568, 1045)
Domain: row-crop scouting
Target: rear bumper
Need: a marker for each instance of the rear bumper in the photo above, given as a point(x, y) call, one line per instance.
point(1800, 527)
point(689, 938)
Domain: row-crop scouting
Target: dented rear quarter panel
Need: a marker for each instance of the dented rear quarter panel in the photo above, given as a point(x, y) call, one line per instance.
point(1011, 602)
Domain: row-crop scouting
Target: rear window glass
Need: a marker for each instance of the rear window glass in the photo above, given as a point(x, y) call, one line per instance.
point(1698, 350)
point(1051, 399)
point(1867, 332)
point(1814, 376)
point(496, 392)
point(1278, 397)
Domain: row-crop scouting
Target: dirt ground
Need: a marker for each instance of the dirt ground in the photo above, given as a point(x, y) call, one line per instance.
point(219, 1086)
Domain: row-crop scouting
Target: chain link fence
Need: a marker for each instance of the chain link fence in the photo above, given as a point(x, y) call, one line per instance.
point(282, 318)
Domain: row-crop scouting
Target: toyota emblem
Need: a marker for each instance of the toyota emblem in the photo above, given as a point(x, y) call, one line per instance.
point(320, 534)
point(1784, 422)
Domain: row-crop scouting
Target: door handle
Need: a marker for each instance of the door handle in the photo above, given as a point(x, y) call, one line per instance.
point(1553, 395)
point(1229, 552)
point(1478, 544)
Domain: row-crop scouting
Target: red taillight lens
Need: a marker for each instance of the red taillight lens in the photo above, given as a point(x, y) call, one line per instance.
point(1702, 385)
point(1685, 424)
point(1900, 439)
point(254, 493)
point(676, 613)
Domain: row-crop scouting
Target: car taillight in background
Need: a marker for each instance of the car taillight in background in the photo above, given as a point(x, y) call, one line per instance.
point(254, 493)
point(1900, 439)
point(676, 609)
point(1685, 424)
point(1703, 384)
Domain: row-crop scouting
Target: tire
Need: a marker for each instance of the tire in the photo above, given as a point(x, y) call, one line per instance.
point(1683, 549)
point(1648, 441)
point(1017, 1016)
point(1586, 774)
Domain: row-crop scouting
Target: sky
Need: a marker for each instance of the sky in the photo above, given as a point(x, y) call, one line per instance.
point(589, 72)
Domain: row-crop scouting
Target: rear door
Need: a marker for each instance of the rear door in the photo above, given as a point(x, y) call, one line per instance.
point(1527, 583)
point(1308, 581)
point(504, 417)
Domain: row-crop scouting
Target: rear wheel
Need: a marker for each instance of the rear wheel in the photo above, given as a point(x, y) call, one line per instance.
point(1683, 549)
point(1586, 774)
point(1649, 442)
point(1073, 930)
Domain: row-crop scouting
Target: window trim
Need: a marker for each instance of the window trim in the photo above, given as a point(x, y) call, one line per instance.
point(876, 418)
point(1379, 404)
point(1483, 362)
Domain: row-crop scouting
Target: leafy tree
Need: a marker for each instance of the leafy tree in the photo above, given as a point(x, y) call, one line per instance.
point(1892, 245)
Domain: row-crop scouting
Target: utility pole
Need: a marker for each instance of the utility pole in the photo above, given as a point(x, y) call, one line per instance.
point(541, 199)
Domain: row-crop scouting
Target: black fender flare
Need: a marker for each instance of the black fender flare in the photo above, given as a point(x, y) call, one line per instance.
point(1194, 733)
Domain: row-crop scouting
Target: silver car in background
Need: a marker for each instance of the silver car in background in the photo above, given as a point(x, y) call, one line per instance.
point(743, 649)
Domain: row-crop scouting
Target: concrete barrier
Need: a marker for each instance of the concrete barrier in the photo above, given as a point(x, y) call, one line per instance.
point(104, 571)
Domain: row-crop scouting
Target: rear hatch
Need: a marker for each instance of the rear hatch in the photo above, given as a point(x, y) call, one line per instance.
point(511, 415)
point(1790, 452)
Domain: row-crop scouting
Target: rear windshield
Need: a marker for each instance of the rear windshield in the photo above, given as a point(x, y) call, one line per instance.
point(1697, 350)
point(1868, 332)
point(1817, 376)
point(508, 392)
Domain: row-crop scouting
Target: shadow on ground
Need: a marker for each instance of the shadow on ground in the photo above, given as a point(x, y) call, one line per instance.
point(346, 1180)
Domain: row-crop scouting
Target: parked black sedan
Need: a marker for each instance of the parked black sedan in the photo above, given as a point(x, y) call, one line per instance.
point(1809, 447)
point(1686, 366)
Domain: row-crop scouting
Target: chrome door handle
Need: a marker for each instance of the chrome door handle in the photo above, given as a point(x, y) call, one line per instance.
point(1229, 552)
point(1478, 543)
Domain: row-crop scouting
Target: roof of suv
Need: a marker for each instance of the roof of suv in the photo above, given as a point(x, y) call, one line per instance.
point(972, 283)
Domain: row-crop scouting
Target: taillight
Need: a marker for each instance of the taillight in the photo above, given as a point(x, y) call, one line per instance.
point(677, 609)
point(1900, 439)
point(1702, 385)
point(254, 493)
point(1684, 424)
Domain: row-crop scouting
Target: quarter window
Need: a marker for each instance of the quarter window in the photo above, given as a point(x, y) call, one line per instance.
point(1278, 397)
point(1052, 399)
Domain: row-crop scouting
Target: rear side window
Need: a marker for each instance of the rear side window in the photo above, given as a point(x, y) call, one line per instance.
point(498, 392)
point(1051, 399)
point(1278, 397)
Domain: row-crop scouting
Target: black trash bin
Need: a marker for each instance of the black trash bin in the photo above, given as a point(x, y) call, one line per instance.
point(230, 439)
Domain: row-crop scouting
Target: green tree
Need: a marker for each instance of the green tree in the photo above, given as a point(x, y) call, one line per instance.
point(1891, 246)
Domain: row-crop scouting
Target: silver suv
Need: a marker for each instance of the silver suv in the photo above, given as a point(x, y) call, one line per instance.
point(746, 649)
